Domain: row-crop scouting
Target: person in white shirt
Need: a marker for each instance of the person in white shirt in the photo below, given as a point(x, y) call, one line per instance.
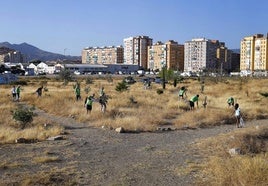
point(237, 113)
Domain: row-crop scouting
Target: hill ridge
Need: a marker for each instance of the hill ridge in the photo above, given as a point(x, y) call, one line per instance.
point(34, 53)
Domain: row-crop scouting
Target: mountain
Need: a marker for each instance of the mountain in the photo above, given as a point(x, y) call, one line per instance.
point(34, 53)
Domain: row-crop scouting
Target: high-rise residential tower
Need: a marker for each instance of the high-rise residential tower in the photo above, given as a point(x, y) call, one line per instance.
point(170, 55)
point(136, 50)
point(254, 53)
point(201, 54)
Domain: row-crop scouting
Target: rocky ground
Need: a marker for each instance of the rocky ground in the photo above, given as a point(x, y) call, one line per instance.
point(96, 156)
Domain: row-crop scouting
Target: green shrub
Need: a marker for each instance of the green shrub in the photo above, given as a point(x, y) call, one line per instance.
point(159, 91)
point(23, 115)
point(121, 86)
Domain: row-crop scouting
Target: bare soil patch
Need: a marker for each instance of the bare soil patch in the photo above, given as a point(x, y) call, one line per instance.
point(95, 156)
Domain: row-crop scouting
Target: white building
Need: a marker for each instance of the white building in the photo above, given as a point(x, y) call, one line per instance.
point(44, 68)
point(33, 66)
point(136, 50)
point(200, 54)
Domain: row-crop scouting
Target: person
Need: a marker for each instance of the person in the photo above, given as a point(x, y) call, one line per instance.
point(237, 113)
point(205, 102)
point(89, 102)
point(230, 101)
point(39, 91)
point(77, 92)
point(13, 92)
point(182, 92)
point(147, 84)
point(18, 93)
point(101, 91)
point(103, 102)
point(192, 100)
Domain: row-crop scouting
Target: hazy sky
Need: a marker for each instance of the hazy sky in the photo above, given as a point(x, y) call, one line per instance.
point(55, 25)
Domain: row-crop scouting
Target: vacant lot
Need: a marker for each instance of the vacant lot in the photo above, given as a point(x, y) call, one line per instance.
point(92, 155)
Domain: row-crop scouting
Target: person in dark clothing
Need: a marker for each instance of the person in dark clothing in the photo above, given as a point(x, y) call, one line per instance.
point(39, 91)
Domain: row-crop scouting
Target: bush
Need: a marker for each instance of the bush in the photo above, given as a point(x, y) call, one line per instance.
point(65, 75)
point(121, 86)
point(23, 115)
point(89, 80)
point(159, 91)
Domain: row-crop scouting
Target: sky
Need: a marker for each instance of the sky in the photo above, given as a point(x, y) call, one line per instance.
point(68, 26)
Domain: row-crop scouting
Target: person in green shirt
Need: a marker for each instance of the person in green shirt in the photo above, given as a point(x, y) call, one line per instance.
point(88, 103)
point(77, 93)
point(192, 100)
point(182, 92)
point(18, 93)
point(230, 101)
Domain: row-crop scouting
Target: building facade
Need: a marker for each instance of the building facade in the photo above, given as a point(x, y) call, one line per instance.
point(204, 54)
point(235, 62)
point(103, 55)
point(10, 55)
point(224, 59)
point(136, 50)
point(253, 53)
point(170, 55)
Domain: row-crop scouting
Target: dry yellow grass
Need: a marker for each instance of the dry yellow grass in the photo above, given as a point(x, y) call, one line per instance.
point(236, 171)
point(144, 110)
point(221, 168)
point(46, 159)
point(9, 130)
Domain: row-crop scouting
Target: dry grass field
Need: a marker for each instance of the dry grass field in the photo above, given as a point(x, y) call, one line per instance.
point(138, 110)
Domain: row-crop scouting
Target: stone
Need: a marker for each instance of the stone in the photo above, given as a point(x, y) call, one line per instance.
point(119, 129)
point(47, 125)
point(60, 137)
point(234, 151)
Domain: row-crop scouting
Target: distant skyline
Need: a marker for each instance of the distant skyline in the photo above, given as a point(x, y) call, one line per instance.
point(68, 26)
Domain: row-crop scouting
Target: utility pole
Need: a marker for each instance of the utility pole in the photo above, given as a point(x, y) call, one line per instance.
point(64, 51)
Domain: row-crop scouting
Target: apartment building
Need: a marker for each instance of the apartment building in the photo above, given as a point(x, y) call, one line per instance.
point(10, 55)
point(254, 53)
point(235, 62)
point(170, 55)
point(103, 55)
point(202, 53)
point(136, 50)
point(224, 59)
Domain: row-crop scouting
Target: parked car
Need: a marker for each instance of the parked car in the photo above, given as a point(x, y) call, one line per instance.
point(129, 80)
point(77, 72)
point(159, 80)
point(146, 79)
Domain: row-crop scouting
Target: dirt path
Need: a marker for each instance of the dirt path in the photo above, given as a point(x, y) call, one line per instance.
point(93, 156)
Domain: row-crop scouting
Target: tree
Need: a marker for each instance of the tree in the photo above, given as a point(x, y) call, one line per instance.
point(65, 75)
